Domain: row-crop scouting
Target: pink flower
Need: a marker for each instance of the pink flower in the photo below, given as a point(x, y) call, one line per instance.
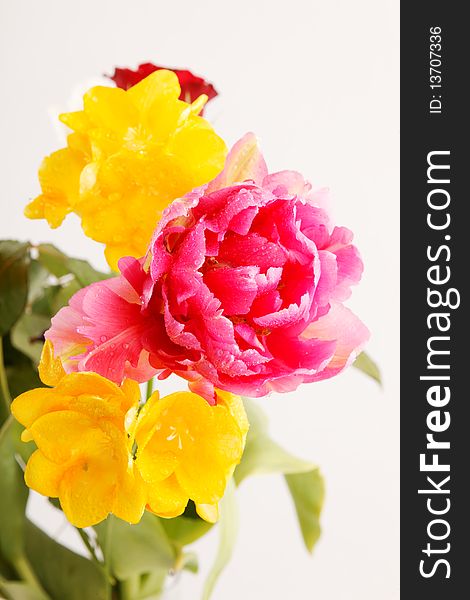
point(242, 289)
point(101, 330)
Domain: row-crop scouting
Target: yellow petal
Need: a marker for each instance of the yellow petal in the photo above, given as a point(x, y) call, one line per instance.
point(131, 391)
point(110, 108)
point(78, 120)
point(235, 405)
point(30, 405)
point(208, 512)
point(98, 409)
point(59, 176)
point(131, 496)
point(131, 153)
point(162, 86)
point(166, 498)
point(202, 478)
point(80, 143)
point(88, 383)
point(155, 465)
point(154, 462)
point(50, 369)
point(65, 435)
point(44, 207)
point(148, 419)
point(207, 465)
point(43, 475)
point(201, 443)
point(197, 146)
point(113, 253)
point(199, 104)
point(87, 492)
point(26, 436)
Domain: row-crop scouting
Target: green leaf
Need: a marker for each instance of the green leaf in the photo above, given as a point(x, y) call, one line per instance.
point(150, 586)
point(54, 297)
point(38, 277)
point(14, 262)
point(228, 525)
point(11, 361)
point(263, 455)
point(308, 492)
point(17, 590)
point(13, 498)
point(64, 574)
point(187, 528)
point(13, 494)
point(27, 335)
point(184, 530)
point(189, 562)
point(44, 304)
point(13, 357)
point(21, 374)
point(59, 264)
point(52, 259)
point(135, 549)
point(84, 273)
point(62, 296)
point(365, 364)
point(22, 377)
point(6, 571)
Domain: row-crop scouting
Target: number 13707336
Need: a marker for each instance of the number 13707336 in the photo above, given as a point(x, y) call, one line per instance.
point(435, 73)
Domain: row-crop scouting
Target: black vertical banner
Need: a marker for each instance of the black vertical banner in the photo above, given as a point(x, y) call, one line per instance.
point(435, 322)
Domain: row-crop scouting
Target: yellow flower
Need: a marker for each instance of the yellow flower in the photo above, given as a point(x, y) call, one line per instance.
point(187, 449)
point(100, 452)
point(130, 154)
point(51, 369)
point(84, 455)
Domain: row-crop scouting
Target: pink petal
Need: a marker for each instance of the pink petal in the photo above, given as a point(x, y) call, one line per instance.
point(285, 183)
point(112, 358)
point(64, 335)
point(291, 315)
point(251, 249)
point(236, 288)
point(348, 261)
point(300, 353)
point(244, 161)
point(232, 209)
point(350, 333)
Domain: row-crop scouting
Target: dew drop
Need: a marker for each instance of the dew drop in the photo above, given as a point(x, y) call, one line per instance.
point(103, 339)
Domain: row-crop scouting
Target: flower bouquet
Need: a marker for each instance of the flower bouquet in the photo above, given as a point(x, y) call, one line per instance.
point(228, 277)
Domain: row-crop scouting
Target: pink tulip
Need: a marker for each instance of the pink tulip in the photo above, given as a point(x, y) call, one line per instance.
point(242, 289)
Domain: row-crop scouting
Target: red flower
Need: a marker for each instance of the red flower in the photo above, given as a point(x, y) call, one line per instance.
point(192, 86)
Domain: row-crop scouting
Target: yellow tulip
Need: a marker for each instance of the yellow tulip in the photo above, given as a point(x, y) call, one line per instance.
point(100, 451)
point(187, 449)
point(84, 454)
point(131, 153)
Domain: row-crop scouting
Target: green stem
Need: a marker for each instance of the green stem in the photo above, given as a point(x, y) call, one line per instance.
point(4, 389)
point(89, 547)
point(107, 556)
point(4, 428)
point(149, 388)
point(24, 570)
point(129, 588)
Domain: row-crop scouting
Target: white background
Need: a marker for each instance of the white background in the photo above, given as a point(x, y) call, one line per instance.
point(318, 82)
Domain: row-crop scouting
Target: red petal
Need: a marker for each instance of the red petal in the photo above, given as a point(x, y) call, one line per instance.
point(192, 86)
